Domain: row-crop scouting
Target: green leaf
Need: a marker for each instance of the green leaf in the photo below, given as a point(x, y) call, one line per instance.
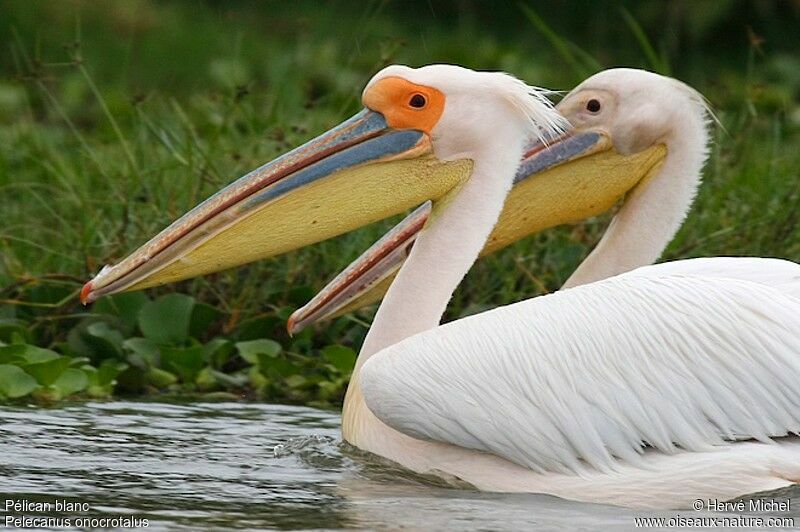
point(185, 362)
point(108, 371)
point(218, 351)
point(159, 378)
point(210, 379)
point(277, 368)
point(71, 381)
point(10, 328)
point(14, 382)
point(341, 357)
point(33, 354)
point(256, 378)
point(125, 306)
point(166, 320)
point(295, 381)
point(205, 380)
point(142, 353)
point(251, 349)
point(104, 339)
point(48, 371)
point(203, 316)
point(220, 396)
point(11, 354)
point(102, 380)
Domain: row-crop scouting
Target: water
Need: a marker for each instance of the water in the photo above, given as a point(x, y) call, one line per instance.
point(249, 466)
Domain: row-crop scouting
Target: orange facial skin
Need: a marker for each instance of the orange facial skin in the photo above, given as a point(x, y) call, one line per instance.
point(405, 105)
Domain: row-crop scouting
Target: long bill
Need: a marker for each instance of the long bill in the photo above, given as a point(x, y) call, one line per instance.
point(357, 173)
point(578, 176)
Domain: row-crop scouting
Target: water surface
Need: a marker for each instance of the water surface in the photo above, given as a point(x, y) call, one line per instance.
point(250, 466)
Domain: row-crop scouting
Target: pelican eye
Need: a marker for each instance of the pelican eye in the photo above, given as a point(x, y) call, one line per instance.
point(593, 105)
point(417, 101)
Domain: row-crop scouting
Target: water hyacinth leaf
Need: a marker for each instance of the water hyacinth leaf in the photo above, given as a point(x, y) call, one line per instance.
point(234, 380)
point(203, 316)
point(125, 306)
point(296, 381)
point(205, 380)
point(10, 327)
point(251, 349)
point(48, 371)
point(78, 362)
point(11, 354)
point(104, 339)
point(27, 353)
point(256, 379)
point(160, 378)
point(341, 357)
point(278, 368)
point(166, 320)
point(70, 381)
point(220, 397)
point(141, 352)
point(103, 378)
point(218, 351)
point(211, 379)
point(185, 362)
point(14, 382)
point(94, 388)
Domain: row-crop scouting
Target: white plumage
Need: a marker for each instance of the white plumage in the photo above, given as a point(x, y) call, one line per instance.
point(581, 378)
point(648, 388)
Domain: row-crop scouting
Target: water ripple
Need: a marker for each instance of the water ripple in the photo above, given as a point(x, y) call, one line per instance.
point(239, 465)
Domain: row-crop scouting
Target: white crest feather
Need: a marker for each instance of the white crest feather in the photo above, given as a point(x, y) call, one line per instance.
point(531, 102)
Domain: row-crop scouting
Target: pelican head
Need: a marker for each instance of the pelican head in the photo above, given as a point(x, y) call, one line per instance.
point(636, 109)
point(414, 141)
point(625, 124)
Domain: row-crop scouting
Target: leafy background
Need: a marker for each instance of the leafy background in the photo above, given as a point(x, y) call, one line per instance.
point(116, 117)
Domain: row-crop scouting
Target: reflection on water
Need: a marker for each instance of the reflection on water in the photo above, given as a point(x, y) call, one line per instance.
point(239, 465)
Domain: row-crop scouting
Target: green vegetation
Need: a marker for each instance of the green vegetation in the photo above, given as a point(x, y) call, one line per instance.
point(116, 117)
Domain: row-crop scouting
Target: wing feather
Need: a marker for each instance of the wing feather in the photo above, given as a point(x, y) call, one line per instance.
point(593, 375)
point(777, 273)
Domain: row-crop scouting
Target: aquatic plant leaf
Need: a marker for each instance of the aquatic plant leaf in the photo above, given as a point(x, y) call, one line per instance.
point(251, 349)
point(203, 316)
point(11, 354)
point(14, 382)
point(104, 339)
point(142, 353)
point(160, 378)
point(166, 320)
point(109, 370)
point(47, 372)
point(103, 379)
point(296, 381)
point(70, 381)
point(185, 362)
point(26, 353)
point(125, 306)
point(218, 351)
point(8, 328)
point(341, 357)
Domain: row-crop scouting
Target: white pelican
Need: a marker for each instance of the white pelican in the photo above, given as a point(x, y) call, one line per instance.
point(574, 164)
point(641, 390)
